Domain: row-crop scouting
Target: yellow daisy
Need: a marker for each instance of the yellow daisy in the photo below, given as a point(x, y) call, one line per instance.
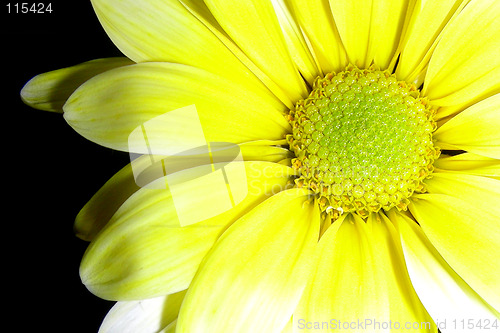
point(367, 132)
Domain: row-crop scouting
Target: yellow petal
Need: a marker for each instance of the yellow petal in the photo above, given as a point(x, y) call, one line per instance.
point(109, 107)
point(370, 30)
point(97, 212)
point(466, 236)
point(474, 129)
point(145, 316)
point(360, 280)
point(470, 164)
point(385, 31)
point(476, 92)
point(418, 44)
point(353, 22)
point(446, 296)
point(253, 278)
point(49, 91)
point(159, 30)
point(297, 45)
point(288, 327)
point(200, 11)
point(171, 328)
point(480, 192)
point(256, 30)
point(264, 151)
point(465, 63)
point(101, 207)
point(319, 28)
point(144, 252)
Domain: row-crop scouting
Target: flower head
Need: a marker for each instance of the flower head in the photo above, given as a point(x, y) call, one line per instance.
point(306, 164)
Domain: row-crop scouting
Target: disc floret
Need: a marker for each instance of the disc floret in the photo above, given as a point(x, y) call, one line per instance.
point(362, 141)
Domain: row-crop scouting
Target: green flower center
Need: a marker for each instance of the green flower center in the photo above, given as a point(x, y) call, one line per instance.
point(362, 141)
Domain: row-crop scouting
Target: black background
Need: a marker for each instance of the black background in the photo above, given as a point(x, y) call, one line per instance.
point(49, 173)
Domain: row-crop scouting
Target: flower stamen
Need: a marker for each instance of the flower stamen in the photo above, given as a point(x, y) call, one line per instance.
point(362, 141)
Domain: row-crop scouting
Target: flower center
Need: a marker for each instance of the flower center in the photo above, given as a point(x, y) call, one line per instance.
point(362, 141)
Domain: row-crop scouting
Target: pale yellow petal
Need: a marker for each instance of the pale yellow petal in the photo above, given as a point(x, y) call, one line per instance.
point(317, 23)
point(253, 278)
point(465, 63)
point(446, 296)
point(109, 107)
point(256, 30)
point(474, 129)
point(418, 43)
point(165, 30)
point(144, 252)
point(360, 279)
point(466, 236)
point(288, 327)
point(145, 316)
point(49, 91)
point(470, 164)
point(370, 30)
point(101, 207)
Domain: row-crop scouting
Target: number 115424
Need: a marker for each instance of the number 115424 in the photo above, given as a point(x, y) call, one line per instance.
point(28, 7)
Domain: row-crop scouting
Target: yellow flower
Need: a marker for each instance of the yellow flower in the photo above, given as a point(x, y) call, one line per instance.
point(367, 132)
